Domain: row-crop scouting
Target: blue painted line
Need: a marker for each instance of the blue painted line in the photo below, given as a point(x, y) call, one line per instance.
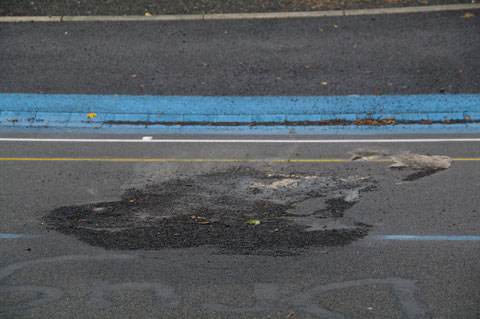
point(410, 237)
point(59, 111)
point(299, 130)
point(11, 236)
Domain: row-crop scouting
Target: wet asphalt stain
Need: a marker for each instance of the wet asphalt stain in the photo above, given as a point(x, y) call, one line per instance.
point(422, 173)
point(290, 213)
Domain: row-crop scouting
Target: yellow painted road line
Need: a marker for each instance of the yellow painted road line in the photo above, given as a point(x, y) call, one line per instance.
point(166, 159)
point(331, 160)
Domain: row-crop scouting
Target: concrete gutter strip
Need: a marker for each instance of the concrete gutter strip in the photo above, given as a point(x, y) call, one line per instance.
point(242, 16)
point(31, 19)
point(420, 9)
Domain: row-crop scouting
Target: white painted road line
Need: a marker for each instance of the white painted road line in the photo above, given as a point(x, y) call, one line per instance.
point(243, 16)
point(265, 141)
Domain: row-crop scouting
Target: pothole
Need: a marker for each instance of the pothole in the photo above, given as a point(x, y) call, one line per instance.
point(240, 211)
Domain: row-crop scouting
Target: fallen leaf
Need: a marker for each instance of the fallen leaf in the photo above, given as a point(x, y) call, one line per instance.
point(159, 114)
point(193, 217)
point(204, 223)
point(253, 222)
point(426, 122)
point(290, 314)
point(147, 14)
point(275, 230)
point(378, 93)
point(355, 45)
point(369, 72)
point(91, 115)
point(324, 83)
point(133, 75)
point(132, 200)
point(307, 67)
point(142, 85)
point(389, 84)
point(278, 78)
point(204, 63)
point(320, 29)
point(12, 120)
point(460, 71)
point(468, 117)
point(66, 33)
point(171, 33)
point(81, 220)
point(226, 31)
point(335, 26)
point(467, 15)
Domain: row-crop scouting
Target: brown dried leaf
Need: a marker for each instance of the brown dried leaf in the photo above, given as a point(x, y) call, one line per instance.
point(467, 15)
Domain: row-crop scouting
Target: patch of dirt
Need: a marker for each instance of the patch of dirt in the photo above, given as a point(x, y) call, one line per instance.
point(368, 121)
point(212, 209)
point(367, 154)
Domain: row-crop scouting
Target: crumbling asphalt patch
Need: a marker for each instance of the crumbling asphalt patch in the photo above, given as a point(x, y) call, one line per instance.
point(240, 211)
point(422, 165)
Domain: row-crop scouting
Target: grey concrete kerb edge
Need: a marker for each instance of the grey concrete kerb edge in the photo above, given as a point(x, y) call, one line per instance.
point(242, 16)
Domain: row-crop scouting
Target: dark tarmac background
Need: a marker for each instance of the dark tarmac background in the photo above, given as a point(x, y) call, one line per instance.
point(426, 53)
point(93, 269)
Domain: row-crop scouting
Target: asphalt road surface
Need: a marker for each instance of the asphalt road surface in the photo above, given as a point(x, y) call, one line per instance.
point(362, 276)
point(262, 229)
point(426, 53)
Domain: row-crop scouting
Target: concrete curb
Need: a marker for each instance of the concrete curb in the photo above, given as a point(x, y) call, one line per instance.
point(192, 114)
point(242, 16)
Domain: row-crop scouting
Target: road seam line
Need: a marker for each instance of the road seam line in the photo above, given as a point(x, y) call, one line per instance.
point(427, 238)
